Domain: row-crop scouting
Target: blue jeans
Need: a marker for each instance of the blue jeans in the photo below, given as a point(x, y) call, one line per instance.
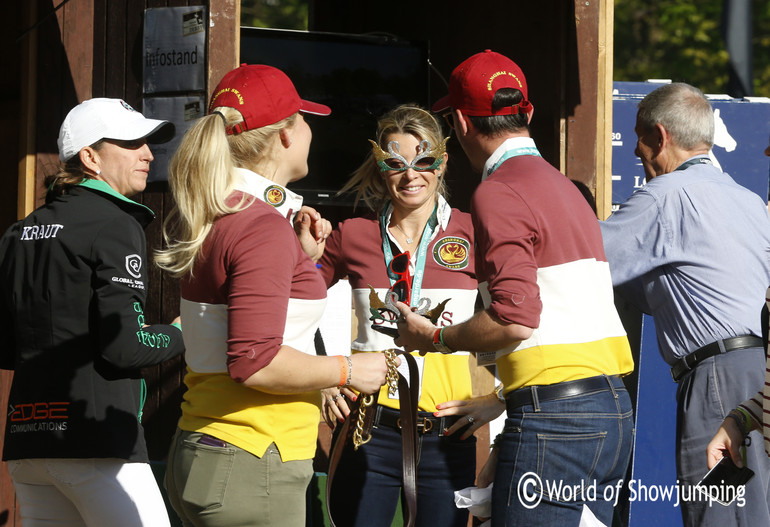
point(558, 455)
point(367, 484)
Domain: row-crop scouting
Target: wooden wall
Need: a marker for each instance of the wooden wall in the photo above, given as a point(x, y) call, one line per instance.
point(10, 154)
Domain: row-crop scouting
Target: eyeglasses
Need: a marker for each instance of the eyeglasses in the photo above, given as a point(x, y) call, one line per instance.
point(449, 117)
point(402, 288)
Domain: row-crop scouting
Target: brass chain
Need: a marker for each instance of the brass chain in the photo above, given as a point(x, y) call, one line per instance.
point(358, 438)
point(392, 377)
point(367, 401)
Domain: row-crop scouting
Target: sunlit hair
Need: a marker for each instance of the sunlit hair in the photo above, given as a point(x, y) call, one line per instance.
point(683, 111)
point(70, 174)
point(201, 179)
point(367, 182)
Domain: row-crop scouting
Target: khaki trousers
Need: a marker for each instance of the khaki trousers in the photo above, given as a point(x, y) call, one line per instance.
point(225, 486)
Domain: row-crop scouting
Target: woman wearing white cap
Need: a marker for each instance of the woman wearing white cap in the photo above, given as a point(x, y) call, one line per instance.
point(252, 299)
point(72, 290)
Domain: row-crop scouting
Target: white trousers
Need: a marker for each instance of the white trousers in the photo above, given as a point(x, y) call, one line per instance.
point(87, 493)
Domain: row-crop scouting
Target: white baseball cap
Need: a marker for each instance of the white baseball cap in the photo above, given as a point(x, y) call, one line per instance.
point(102, 118)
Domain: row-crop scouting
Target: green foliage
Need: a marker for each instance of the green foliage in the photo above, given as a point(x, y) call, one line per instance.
point(671, 39)
point(761, 45)
point(279, 14)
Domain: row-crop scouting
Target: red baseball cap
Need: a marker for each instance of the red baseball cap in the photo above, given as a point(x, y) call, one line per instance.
point(263, 94)
point(475, 81)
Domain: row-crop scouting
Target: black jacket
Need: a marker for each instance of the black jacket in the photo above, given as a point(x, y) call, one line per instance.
point(72, 290)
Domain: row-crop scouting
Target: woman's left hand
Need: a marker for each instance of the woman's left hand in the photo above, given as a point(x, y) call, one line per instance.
point(335, 405)
point(312, 231)
point(477, 411)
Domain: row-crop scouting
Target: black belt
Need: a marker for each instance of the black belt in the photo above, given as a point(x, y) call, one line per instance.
point(427, 423)
point(534, 394)
point(691, 360)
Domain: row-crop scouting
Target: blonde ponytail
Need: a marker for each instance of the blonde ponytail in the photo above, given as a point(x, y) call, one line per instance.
point(201, 179)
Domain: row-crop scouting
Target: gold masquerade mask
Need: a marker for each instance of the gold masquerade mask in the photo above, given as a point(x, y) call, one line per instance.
point(426, 159)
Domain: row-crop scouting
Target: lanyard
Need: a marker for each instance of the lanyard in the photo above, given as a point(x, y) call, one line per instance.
point(422, 250)
point(523, 151)
point(696, 161)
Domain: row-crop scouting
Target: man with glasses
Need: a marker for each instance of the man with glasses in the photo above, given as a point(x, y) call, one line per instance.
point(561, 347)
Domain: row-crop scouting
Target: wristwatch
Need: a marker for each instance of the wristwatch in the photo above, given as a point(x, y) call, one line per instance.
point(438, 341)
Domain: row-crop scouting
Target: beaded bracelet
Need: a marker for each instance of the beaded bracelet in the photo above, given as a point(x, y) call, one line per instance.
point(350, 371)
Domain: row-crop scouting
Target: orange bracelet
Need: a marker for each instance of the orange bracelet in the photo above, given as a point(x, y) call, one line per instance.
point(343, 370)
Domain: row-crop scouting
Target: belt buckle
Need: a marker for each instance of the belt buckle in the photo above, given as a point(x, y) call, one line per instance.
point(423, 424)
point(684, 364)
point(427, 425)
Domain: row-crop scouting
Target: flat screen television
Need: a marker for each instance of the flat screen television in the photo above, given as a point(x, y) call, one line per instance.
point(359, 77)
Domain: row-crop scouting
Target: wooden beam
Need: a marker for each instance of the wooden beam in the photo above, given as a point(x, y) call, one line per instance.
point(27, 147)
point(604, 111)
point(76, 25)
point(583, 76)
point(224, 39)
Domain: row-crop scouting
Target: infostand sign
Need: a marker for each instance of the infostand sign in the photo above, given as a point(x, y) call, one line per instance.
point(741, 135)
point(174, 73)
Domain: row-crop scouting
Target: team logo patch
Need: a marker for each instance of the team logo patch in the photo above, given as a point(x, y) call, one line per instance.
point(134, 265)
point(452, 252)
point(275, 195)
